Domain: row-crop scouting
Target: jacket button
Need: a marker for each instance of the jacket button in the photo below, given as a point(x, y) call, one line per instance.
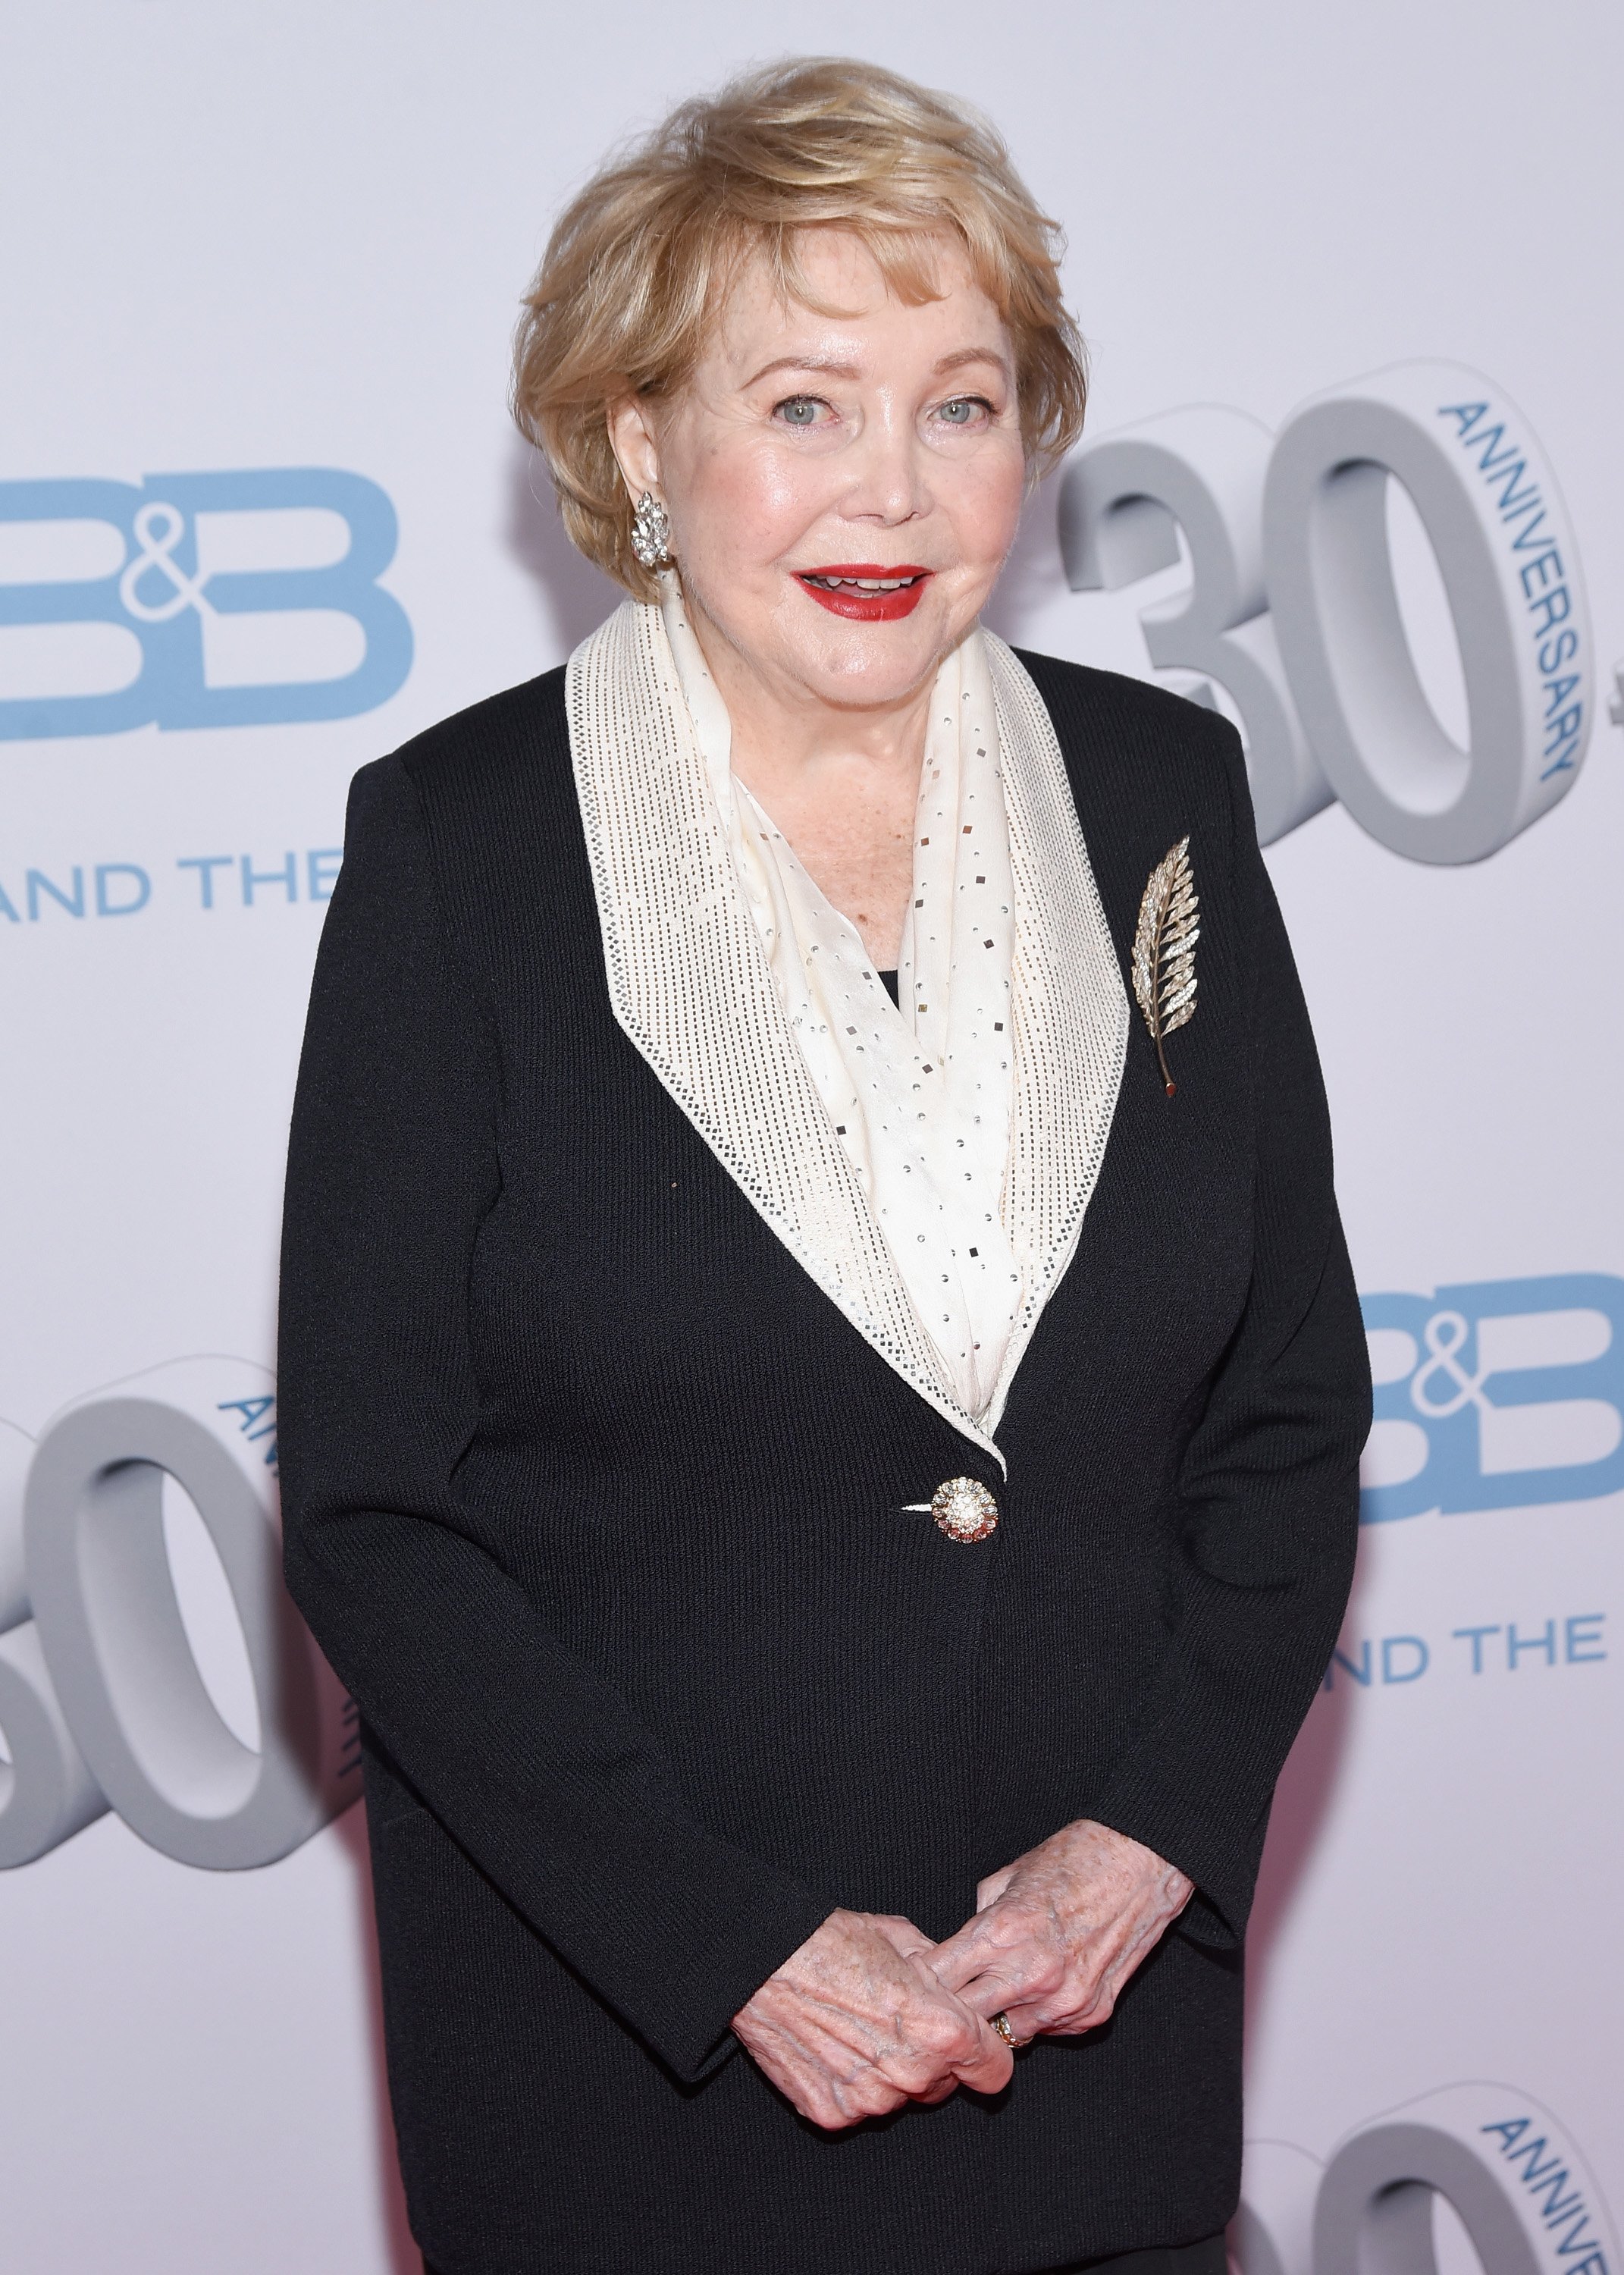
point(965, 1510)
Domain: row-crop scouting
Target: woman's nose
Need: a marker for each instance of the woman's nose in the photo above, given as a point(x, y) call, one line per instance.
point(888, 476)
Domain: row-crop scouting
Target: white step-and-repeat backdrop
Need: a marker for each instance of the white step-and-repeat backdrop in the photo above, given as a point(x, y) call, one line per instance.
point(1353, 473)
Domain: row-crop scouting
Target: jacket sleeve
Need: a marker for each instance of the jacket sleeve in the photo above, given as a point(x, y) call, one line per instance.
point(533, 1764)
point(1267, 1496)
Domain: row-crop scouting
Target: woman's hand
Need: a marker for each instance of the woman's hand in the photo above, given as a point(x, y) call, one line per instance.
point(856, 2022)
point(1057, 1933)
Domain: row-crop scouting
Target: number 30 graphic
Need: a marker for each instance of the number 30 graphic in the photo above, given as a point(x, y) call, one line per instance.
point(1292, 607)
point(102, 1703)
point(1512, 2171)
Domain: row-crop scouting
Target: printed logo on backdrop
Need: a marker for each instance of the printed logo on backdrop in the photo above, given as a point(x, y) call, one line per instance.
point(1497, 1394)
point(242, 598)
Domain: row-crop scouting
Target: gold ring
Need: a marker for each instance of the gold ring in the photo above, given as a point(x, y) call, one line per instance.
point(1000, 2023)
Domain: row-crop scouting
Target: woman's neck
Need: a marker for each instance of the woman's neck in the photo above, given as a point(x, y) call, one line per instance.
point(840, 781)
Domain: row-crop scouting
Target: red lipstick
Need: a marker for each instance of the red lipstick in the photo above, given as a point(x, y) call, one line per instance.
point(867, 592)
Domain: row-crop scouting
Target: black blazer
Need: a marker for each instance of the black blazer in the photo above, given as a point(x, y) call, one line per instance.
point(594, 1500)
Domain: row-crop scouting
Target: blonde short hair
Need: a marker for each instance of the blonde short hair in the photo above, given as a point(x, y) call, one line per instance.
point(642, 259)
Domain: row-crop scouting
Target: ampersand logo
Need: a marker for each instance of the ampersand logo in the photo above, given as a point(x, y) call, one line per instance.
point(1502, 1394)
point(238, 599)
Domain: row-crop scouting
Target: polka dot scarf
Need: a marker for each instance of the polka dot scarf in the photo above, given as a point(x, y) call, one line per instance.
point(920, 1096)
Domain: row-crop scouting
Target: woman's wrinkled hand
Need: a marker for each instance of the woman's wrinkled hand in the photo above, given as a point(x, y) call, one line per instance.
point(1057, 1933)
point(857, 2022)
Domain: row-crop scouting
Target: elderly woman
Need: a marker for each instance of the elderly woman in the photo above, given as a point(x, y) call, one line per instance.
point(822, 1387)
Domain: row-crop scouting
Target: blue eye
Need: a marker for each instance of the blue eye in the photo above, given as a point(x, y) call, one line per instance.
point(962, 409)
point(799, 410)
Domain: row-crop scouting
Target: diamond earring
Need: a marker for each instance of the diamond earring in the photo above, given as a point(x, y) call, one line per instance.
point(650, 532)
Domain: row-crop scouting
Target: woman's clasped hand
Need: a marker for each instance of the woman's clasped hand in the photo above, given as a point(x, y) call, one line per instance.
point(869, 2014)
point(854, 2023)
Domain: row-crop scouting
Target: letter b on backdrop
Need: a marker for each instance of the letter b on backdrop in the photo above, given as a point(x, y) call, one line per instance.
point(207, 586)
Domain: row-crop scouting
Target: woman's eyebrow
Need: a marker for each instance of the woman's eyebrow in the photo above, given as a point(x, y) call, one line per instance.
point(831, 366)
point(960, 357)
point(839, 367)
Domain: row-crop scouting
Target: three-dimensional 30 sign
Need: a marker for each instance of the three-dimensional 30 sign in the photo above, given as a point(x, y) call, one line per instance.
point(1292, 608)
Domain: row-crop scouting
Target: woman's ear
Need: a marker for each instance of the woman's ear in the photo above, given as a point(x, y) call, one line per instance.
point(634, 440)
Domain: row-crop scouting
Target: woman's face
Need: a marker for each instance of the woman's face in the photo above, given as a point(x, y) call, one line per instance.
point(810, 452)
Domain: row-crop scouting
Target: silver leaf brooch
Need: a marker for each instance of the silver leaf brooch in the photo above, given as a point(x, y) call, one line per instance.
point(1164, 951)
